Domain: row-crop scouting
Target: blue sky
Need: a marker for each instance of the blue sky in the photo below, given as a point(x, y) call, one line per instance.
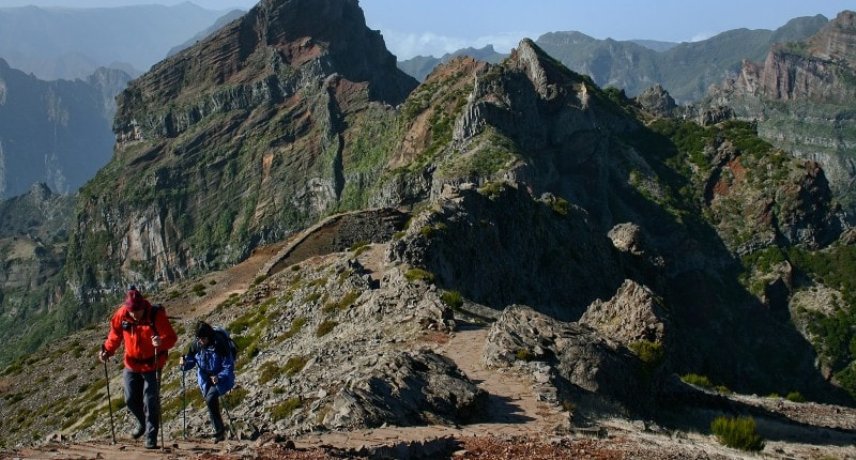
point(413, 27)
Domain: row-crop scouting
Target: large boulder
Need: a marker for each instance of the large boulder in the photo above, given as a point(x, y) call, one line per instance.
point(634, 314)
point(406, 389)
point(582, 361)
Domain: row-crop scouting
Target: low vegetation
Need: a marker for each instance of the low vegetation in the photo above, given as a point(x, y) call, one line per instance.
point(739, 433)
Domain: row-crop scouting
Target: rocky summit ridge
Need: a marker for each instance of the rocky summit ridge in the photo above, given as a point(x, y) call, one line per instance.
point(584, 251)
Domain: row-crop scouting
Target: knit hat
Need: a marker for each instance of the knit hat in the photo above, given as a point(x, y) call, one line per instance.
point(203, 329)
point(134, 300)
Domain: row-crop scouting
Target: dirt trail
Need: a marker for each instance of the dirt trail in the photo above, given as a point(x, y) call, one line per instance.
point(234, 280)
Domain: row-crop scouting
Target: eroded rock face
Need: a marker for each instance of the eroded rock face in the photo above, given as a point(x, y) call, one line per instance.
point(634, 314)
point(579, 357)
point(499, 245)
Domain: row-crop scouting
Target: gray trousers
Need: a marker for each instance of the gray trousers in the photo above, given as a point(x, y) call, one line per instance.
point(212, 400)
point(141, 397)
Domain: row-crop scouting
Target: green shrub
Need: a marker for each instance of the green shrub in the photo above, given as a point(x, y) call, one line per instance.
point(650, 353)
point(523, 354)
point(294, 365)
point(343, 304)
point(259, 279)
point(452, 298)
point(198, 289)
point(561, 206)
point(269, 371)
point(284, 409)
point(697, 380)
point(417, 274)
point(325, 328)
point(234, 397)
point(296, 326)
point(491, 190)
point(358, 245)
point(795, 396)
point(722, 389)
point(739, 433)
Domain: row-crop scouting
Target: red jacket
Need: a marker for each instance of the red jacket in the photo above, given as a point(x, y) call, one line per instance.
point(137, 335)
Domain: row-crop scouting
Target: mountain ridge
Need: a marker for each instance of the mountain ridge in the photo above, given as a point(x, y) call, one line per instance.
point(608, 245)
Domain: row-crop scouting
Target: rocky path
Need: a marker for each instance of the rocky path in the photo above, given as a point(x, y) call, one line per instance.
point(513, 409)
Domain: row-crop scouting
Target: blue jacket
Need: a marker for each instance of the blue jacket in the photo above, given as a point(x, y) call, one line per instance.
point(209, 362)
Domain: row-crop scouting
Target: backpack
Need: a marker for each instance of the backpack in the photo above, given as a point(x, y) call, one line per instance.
point(221, 338)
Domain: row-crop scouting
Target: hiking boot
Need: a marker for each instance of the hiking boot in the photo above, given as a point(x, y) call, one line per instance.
point(151, 444)
point(136, 434)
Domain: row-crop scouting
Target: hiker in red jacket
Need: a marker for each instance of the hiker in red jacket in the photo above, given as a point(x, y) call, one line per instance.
point(143, 328)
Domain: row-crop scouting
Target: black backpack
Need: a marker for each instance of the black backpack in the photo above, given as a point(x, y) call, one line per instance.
point(223, 343)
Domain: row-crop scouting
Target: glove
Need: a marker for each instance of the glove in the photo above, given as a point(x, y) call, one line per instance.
point(104, 355)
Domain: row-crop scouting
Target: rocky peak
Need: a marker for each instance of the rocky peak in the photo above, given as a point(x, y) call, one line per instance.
point(657, 101)
point(263, 57)
point(820, 69)
point(837, 40)
point(547, 75)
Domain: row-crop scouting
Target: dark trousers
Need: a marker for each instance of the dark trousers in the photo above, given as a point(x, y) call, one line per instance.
point(212, 400)
point(141, 397)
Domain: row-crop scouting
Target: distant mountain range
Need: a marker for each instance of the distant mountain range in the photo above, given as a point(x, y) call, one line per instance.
point(56, 132)
point(685, 70)
point(68, 43)
point(218, 24)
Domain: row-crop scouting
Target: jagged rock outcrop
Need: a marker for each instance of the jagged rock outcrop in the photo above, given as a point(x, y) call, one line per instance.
point(801, 97)
point(579, 359)
point(406, 389)
point(498, 246)
point(657, 101)
point(634, 314)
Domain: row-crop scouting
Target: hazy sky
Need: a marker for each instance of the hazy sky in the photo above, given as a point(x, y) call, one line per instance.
point(413, 27)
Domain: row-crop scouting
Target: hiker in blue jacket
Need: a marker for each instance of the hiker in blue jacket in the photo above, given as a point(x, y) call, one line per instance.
point(215, 364)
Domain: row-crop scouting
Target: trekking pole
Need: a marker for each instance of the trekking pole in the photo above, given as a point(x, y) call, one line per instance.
point(229, 416)
point(184, 403)
point(158, 380)
point(109, 403)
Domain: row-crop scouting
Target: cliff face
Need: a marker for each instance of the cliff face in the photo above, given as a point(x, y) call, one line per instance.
point(33, 230)
point(56, 132)
point(802, 97)
point(238, 140)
